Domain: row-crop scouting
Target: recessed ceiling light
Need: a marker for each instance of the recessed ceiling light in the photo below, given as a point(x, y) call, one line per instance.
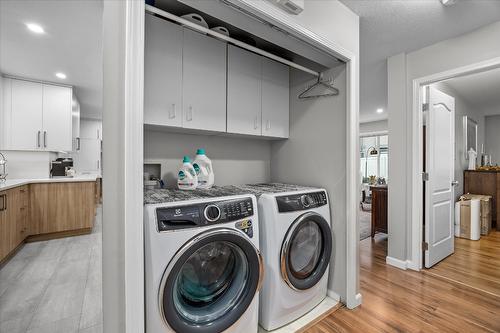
point(380, 110)
point(448, 2)
point(61, 75)
point(35, 28)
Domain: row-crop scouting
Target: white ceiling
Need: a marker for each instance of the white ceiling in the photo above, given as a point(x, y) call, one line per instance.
point(481, 90)
point(391, 27)
point(72, 44)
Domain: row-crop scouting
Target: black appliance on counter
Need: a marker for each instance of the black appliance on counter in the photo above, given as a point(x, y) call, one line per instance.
point(58, 167)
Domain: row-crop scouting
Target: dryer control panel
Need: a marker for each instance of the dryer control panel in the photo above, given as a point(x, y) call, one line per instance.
point(203, 214)
point(301, 201)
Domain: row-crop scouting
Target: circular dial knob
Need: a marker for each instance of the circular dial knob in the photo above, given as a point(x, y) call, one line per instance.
point(212, 213)
point(306, 200)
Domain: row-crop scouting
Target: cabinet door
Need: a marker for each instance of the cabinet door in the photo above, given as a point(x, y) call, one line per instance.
point(26, 115)
point(275, 99)
point(16, 215)
point(90, 129)
point(243, 92)
point(162, 73)
point(89, 157)
point(57, 122)
point(75, 121)
point(38, 220)
point(204, 82)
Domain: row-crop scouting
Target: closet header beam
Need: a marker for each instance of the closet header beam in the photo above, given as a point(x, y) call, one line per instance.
point(153, 10)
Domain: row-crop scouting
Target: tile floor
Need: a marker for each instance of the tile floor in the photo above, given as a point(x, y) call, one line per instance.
point(54, 286)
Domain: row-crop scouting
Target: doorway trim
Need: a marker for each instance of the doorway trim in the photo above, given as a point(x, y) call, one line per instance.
point(415, 260)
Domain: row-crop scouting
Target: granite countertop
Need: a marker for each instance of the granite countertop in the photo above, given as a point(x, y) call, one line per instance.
point(158, 196)
point(11, 183)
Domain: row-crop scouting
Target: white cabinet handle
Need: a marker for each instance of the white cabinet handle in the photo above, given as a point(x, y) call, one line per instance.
point(268, 125)
point(255, 122)
point(189, 114)
point(171, 113)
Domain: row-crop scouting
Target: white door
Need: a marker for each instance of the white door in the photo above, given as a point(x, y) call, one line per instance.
point(244, 112)
point(26, 115)
point(275, 99)
point(439, 164)
point(57, 121)
point(204, 82)
point(162, 73)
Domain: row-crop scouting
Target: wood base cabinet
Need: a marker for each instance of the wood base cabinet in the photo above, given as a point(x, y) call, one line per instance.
point(13, 219)
point(58, 207)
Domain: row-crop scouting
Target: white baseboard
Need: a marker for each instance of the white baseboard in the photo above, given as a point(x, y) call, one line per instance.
point(333, 295)
point(401, 264)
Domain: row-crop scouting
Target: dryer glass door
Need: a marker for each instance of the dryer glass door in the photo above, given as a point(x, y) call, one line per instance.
point(306, 251)
point(211, 282)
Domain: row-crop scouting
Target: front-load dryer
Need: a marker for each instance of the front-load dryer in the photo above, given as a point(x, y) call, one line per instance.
point(203, 268)
point(296, 243)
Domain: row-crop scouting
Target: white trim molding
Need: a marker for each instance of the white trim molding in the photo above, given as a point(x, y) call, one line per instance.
point(415, 261)
point(401, 264)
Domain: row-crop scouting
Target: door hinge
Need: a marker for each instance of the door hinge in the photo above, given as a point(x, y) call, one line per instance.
point(425, 176)
point(425, 246)
point(425, 107)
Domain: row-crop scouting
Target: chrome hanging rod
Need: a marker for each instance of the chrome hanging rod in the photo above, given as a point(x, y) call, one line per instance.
point(153, 10)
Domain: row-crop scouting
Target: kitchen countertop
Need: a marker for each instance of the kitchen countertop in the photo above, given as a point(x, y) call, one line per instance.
point(158, 196)
point(11, 183)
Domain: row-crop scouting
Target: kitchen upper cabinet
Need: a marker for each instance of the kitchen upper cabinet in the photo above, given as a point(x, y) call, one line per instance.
point(203, 82)
point(75, 121)
point(275, 99)
point(162, 73)
point(244, 113)
point(26, 114)
point(57, 121)
point(88, 158)
point(36, 116)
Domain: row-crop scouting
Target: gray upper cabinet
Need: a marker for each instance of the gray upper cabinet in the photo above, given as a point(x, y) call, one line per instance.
point(204, 82)
point(275, 99)
point(244, 114)
point(162, 73)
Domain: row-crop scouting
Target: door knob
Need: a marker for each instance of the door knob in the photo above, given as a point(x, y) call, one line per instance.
point(454, 183)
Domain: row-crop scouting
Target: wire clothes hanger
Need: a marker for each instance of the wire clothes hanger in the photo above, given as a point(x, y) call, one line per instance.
point(327, 89)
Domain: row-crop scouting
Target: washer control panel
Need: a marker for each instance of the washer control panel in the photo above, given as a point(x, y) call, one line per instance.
point(202, 214)
point(301, 201)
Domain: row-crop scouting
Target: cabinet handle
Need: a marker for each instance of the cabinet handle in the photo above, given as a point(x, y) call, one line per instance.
point(45, 139)
point(98, 164)
point(189, 115)
point(255, 124)
point(38, 139)
point(77, 143)
point(171, 113)
point(268, 125)
point(4, 202)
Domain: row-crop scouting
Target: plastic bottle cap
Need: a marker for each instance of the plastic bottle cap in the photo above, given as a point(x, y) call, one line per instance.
point(186, 159)
point(200, 151)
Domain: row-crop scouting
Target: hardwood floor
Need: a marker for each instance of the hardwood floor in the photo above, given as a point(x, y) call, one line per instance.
point(474, 263)
point(407, 301)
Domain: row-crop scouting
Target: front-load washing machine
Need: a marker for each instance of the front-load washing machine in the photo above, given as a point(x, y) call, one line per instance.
point(296, 243)
point(203, 265)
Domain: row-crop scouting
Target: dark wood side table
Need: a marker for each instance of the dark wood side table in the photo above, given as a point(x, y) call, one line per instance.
point(486, 183)
point(379, 209)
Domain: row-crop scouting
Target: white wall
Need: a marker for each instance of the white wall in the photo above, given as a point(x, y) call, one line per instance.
point(315, 155)
point(462, 108)
point(28, 164)
point(373, 127)
point(492, 138)
point(235, 160)
point(464, 50)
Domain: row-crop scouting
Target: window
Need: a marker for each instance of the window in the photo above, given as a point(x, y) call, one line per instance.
point(374, 157)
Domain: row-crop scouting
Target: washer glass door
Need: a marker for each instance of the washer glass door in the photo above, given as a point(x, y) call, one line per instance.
point(211, 283)
point(306, 251)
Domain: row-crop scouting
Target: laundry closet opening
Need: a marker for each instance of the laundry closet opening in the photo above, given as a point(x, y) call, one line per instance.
point(255, 106)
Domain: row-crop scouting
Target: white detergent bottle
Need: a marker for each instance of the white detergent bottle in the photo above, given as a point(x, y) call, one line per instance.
point(203, 168)
point(186, 178)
